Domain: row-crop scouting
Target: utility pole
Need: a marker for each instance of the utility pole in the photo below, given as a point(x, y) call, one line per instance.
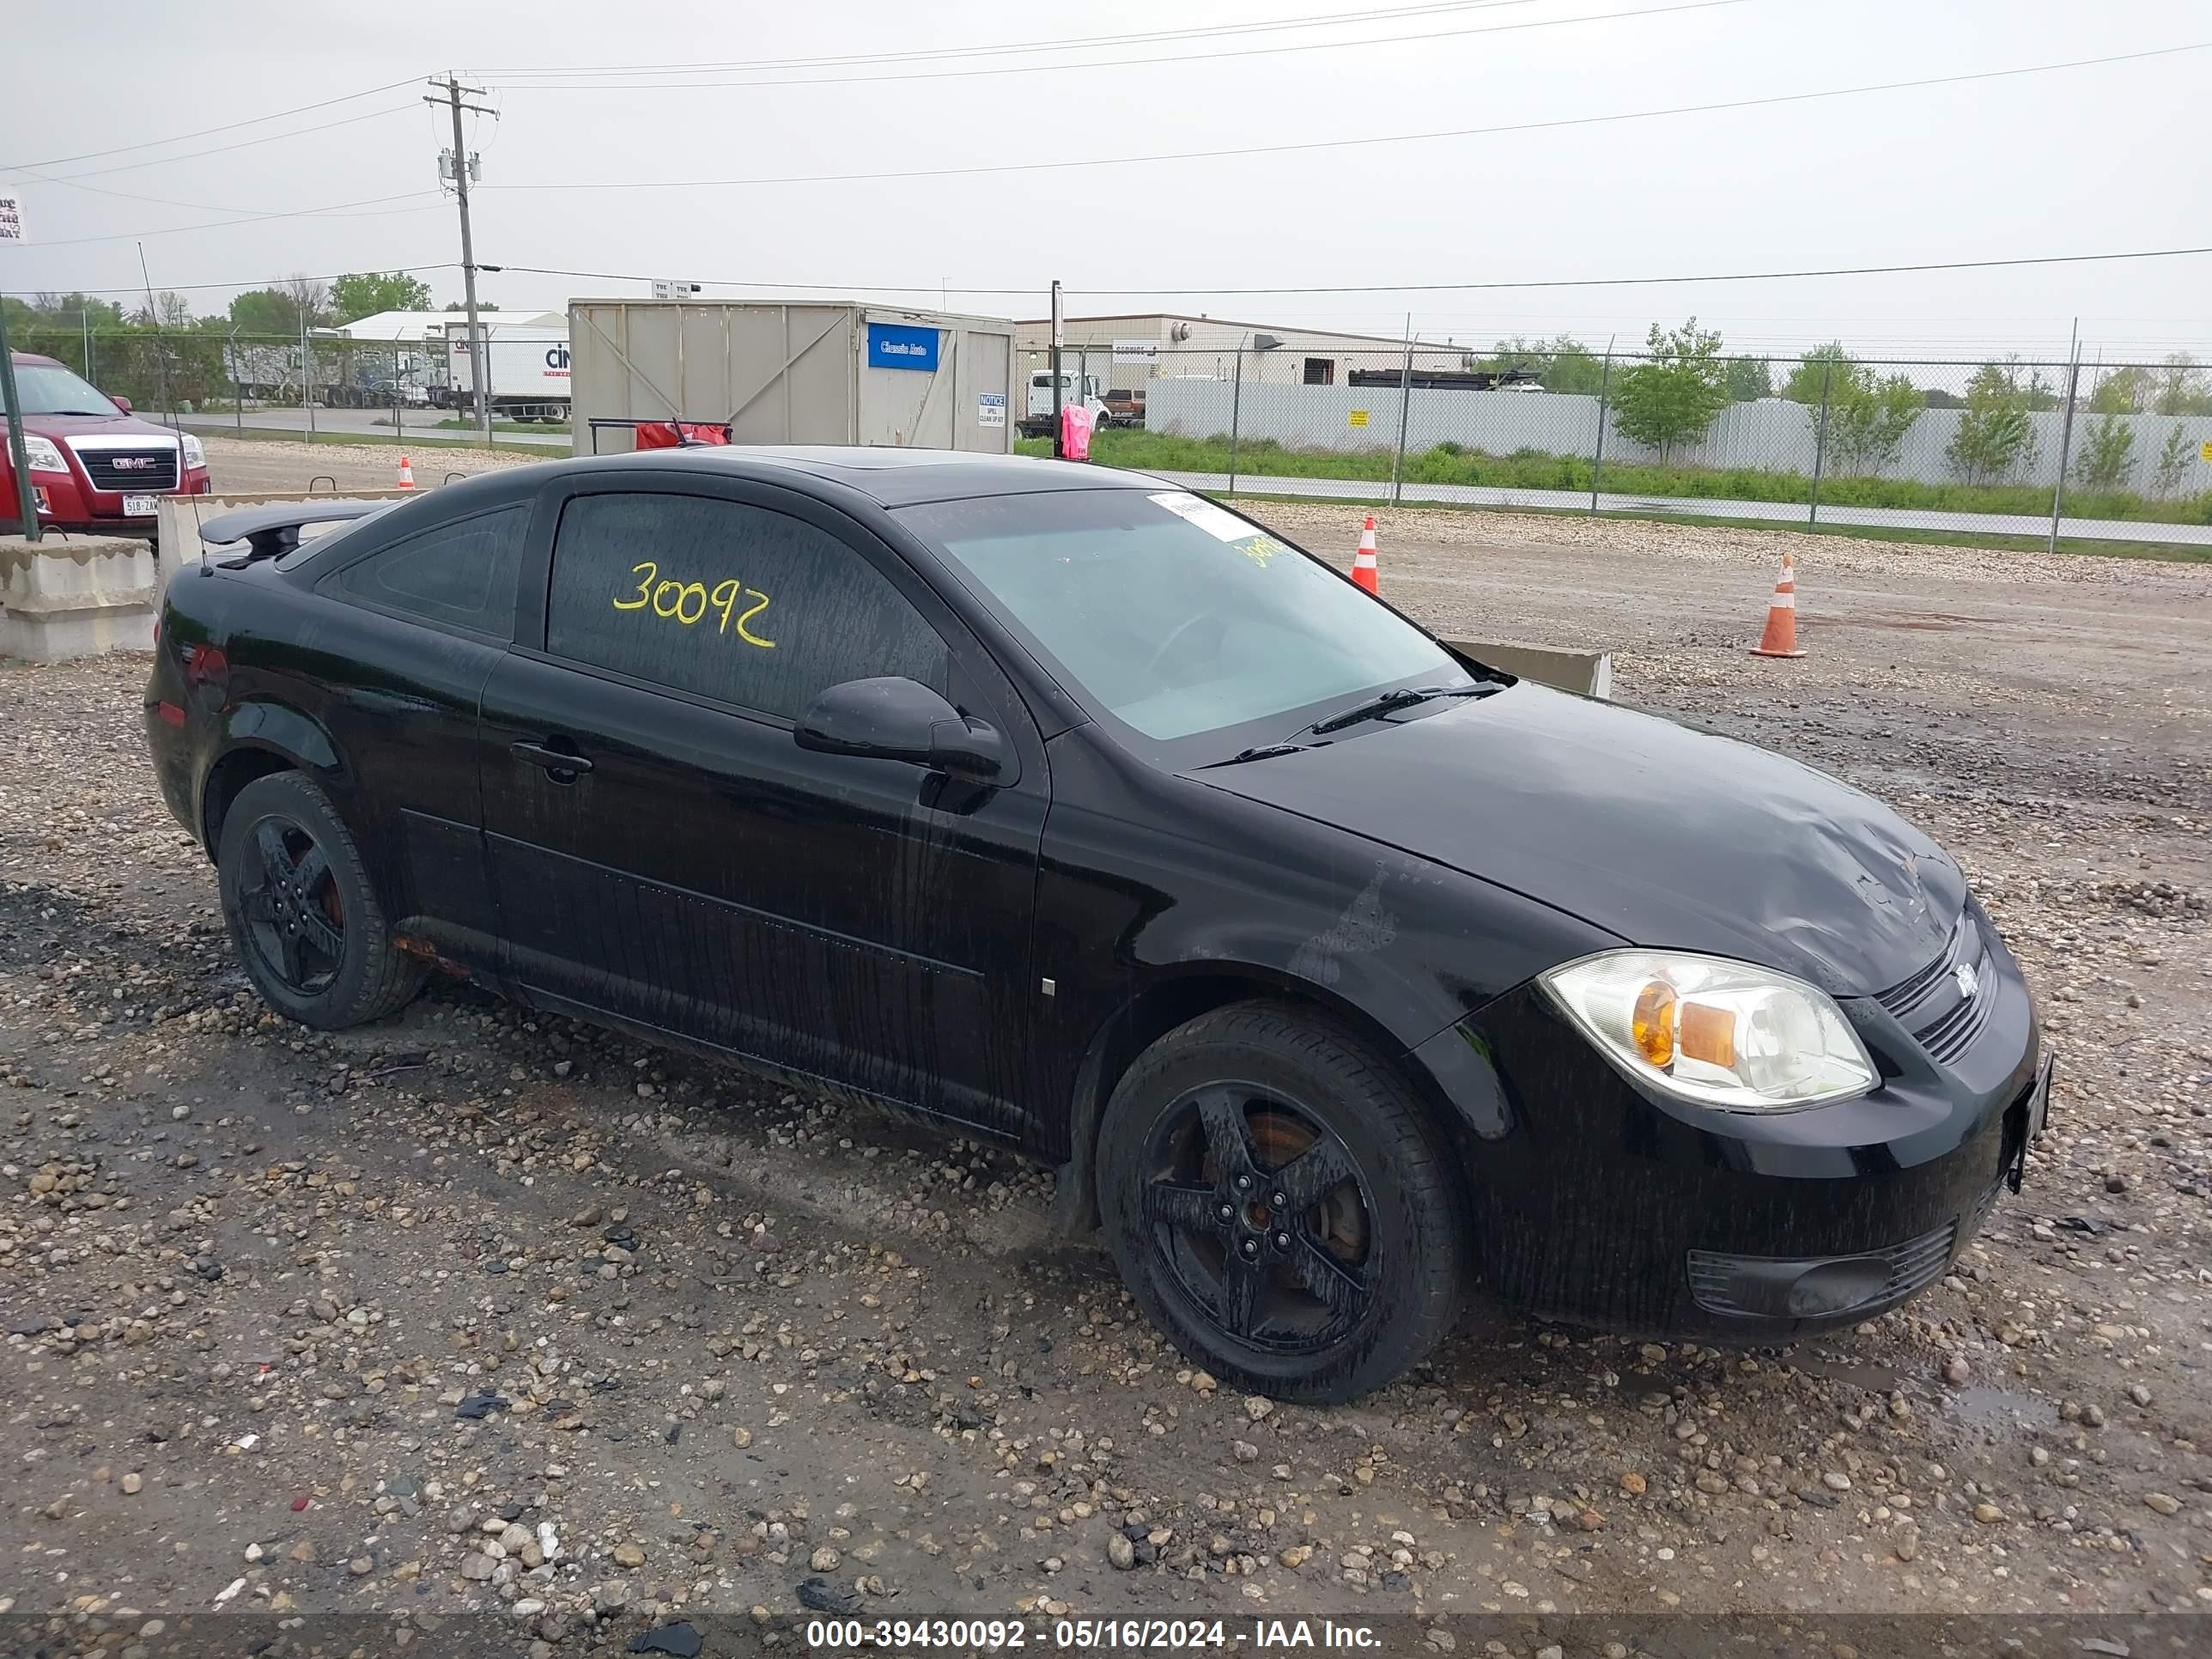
point(479, 359)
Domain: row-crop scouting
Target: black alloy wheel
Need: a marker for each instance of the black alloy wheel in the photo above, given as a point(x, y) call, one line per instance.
point(1280, 1204)
point(1260, 1214)
point(303, 914)
point(295, 916)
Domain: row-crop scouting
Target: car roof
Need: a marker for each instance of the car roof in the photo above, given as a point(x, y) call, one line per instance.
point(33, 357)
point(890, 478)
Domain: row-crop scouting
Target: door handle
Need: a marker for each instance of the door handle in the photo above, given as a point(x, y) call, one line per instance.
point(555, 761)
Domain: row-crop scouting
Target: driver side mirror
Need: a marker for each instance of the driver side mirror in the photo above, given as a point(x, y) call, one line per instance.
point(893, 718)
point(123, 404)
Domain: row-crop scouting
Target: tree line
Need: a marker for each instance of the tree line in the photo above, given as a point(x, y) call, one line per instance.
point(1667, 396)
point(159, 350)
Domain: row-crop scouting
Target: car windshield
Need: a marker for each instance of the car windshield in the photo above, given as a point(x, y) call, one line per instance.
point(1174, 616)
point(50, 389)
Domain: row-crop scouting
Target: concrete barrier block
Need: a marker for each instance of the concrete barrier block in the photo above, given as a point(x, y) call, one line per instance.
point(1589, 672)
point(75, 596)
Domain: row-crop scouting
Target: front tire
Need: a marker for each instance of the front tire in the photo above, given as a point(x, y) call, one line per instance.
point(1280, 1206)
point(302, 913)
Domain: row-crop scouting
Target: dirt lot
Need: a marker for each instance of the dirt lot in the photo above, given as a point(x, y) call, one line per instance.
point(479, 1310)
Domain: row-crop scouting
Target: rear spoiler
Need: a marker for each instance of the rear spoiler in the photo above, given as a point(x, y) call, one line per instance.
point(271, 531)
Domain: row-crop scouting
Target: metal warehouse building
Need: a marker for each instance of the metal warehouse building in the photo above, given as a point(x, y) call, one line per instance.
point(1127, 351)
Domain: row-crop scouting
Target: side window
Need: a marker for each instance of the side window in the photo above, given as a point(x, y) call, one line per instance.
point(461, 574)
point(736, 603)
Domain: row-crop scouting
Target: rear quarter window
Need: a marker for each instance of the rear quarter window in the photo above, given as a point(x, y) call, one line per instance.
point(729, 601)
point(461, 574)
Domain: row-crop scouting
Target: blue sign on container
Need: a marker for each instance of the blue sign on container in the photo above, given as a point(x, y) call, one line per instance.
point(895, 345)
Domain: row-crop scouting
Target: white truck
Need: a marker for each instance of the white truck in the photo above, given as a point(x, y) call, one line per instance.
point(1037, 421)
point(529, 378)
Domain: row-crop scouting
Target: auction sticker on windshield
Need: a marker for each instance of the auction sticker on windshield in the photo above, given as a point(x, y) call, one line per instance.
point(1254, 542)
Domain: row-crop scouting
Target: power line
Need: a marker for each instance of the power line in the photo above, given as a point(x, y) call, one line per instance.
point(1202, 292)
point(334, 211)
point(229, 126)
point(1652, 282)
point(1134, 63)
point(1309, 145)
point(241, 285)
point(1074, 43)
point(219, 149)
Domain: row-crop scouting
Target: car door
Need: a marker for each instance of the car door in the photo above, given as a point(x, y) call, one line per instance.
point(393, 672)
point(663, 850)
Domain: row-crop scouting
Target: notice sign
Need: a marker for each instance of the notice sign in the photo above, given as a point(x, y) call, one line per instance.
point(1136, 351)
point(1358, 417)
point(11, 214)
point(990, 409)
point(896, 345)
point(2204, 452)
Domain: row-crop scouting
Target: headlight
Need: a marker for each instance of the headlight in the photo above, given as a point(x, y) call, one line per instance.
point(195, 452)
point(43, 455)
point(1721, 1033)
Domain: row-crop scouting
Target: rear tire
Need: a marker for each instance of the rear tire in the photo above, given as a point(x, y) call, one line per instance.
point(1280, 1206)
point(303, 915)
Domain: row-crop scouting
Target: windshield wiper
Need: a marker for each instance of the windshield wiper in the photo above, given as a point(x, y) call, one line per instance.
point(1404, 696)
point(1264, 751)
point(82, 412)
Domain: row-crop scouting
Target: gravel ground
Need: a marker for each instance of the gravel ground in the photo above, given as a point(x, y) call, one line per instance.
point(244, 464)
point(475, 1309)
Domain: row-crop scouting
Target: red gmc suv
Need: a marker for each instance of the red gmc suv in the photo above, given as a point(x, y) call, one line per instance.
point(95, 467)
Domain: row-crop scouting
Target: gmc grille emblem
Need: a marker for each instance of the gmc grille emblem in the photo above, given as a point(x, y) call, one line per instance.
point(134, 463)
point(1969, 981)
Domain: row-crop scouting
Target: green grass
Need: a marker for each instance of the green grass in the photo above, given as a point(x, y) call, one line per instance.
point(458, 425)
point(1527, 468)
point(2171, 552)
point(368, 440)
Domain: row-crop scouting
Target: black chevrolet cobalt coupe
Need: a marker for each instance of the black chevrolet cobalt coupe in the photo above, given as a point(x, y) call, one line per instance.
point(1334, 970)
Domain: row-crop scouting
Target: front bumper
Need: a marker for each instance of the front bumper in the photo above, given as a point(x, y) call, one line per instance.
point(69, 503)
point(1599, 1203)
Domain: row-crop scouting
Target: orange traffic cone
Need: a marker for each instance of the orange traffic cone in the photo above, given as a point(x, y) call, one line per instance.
point(1363, 562)
point(406, 474)
point(1780, 639)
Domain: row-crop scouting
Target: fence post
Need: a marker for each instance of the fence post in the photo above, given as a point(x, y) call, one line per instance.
point(2065, 448)
point(1821, 440)
point(1405, 409)
point(237, 391)
point(306, 377)
point(1604, 403)
point(1236, 415)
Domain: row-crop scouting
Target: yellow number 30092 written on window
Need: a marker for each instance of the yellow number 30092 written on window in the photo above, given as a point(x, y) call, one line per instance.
point(689, 602)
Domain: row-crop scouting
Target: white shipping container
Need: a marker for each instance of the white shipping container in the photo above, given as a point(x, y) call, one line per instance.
point(798, 373)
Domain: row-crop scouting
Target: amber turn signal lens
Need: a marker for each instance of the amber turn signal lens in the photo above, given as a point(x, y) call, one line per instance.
point(1708, 1034)
point(1652, 1024)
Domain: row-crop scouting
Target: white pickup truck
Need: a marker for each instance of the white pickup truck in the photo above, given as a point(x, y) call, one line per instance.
point(1037, 421)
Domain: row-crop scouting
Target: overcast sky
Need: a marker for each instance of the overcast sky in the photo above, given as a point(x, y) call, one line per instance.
point(2076, 160)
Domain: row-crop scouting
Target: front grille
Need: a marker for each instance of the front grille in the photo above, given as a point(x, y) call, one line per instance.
point(1941, 1017)
point(1724, 1284)
point(138, 471)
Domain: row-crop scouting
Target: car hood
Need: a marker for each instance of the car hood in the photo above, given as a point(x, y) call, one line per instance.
point(1667, 837)
point(104, 425)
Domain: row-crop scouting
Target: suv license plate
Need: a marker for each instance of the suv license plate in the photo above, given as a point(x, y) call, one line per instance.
point(141, 506)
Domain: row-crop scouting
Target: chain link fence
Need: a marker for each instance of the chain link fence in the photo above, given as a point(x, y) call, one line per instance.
point(2106, 451)
point(412, 386)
